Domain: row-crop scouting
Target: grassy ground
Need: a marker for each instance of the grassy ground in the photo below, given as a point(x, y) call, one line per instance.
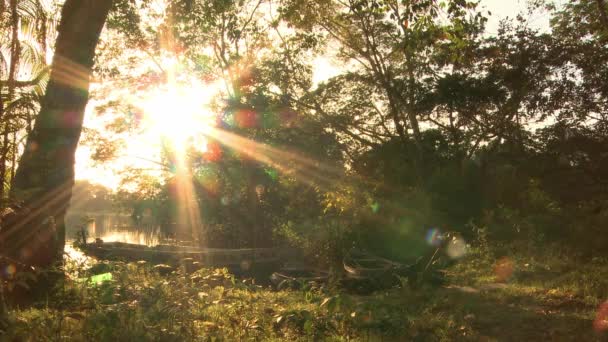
point(536, 299)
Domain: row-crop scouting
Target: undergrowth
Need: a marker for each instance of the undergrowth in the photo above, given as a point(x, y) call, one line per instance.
point(542, 298)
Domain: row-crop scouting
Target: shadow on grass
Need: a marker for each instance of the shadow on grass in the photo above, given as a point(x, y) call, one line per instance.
point(498, 315)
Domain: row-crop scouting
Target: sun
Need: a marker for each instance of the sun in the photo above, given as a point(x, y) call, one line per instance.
point(180, 114)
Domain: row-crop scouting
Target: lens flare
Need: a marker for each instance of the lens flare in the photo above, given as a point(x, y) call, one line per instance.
point(291, 163)
point(503, 269)
point(10, 271)
point(214, 152)
point(246, 118)
point(601, 318)
point(456, 248)
point(433, 237)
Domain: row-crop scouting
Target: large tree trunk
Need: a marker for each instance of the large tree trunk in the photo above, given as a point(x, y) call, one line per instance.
point(43, 181)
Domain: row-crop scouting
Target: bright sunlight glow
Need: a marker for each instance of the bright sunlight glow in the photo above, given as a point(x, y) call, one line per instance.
point(176, 114)
point(180, 114)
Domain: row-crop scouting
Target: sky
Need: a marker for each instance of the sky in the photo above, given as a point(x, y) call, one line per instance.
point(109, 174)
point(510, 8)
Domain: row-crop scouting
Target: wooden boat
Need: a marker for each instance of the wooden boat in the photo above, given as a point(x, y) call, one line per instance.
point(243, 259)
point(366, 272)
point(294, 277)
point(362, 265)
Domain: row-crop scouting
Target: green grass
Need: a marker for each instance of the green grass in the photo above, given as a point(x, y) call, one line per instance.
point(546, 298)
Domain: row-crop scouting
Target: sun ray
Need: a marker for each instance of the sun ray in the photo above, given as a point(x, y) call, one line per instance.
point(70, 73)
point(177, 113)
point(305, 169)
point(53, 202)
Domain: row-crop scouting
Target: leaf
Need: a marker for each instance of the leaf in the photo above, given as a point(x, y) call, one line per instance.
point(332, 303)
point(325, 301)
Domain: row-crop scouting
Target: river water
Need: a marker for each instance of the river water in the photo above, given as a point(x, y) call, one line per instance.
point(113, 228)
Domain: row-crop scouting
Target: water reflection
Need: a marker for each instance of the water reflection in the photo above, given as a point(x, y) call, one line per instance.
point(113, 228)
point(140, 237)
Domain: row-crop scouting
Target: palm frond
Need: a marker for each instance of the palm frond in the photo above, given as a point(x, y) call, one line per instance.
point(28, 8)
point(4, 59)
point(32, 57)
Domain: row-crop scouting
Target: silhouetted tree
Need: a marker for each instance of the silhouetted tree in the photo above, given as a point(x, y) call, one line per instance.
point(44, 178)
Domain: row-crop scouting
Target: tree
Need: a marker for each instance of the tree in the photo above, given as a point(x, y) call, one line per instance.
point(393, 50)
point(43, 181)
point(229, 42)
point(24, 31)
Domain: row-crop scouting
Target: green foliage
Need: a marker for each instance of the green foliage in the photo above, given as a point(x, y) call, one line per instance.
point(431, 123)
point(547, 289)
point(427, 125)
